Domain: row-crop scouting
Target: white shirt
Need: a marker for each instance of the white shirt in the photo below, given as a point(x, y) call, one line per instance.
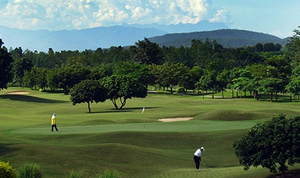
point(198, 153)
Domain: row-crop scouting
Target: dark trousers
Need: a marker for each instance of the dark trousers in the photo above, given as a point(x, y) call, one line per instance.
point(197, 161)
point(54, 126)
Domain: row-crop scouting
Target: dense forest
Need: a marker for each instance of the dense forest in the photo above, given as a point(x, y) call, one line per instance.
point(204, 66)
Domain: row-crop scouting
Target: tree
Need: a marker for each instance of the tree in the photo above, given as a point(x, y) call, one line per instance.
point(258, 72)
point(294, 46)
point(146, 52)
point(170, 75)
point(20, 66)
point(66, 77)
point(139, 72)
point(195, 74)
point(36, 77)
point(122, 88)
point(293, 87)
point(243, 81)
point(273, 143)
point(223, 80)
point(259, 47)
point(278, 71)
point(209, 82)
point(5, 66)
point(1, 43)
point(88, 91)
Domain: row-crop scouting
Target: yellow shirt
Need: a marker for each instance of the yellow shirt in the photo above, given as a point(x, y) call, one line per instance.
point(53, 121)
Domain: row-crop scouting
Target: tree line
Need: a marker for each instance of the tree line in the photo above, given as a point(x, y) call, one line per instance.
point(204, 66)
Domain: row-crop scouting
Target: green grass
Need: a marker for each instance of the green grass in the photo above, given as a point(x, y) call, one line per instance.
point(134, 143)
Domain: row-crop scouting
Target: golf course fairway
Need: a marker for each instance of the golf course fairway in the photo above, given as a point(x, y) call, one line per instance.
point(134, 143)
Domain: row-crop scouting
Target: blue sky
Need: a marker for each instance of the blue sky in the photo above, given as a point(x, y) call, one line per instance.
point(277, 17)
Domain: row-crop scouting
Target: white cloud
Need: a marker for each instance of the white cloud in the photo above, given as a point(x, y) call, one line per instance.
point(76, 14)
point(220, 16)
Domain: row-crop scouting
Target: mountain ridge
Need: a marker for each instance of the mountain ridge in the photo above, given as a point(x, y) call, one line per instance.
point(226, 37)
point(92, 38)
point(126, 35)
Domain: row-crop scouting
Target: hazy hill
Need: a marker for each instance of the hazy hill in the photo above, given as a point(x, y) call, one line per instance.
point(126, 35)
point(104, 37)
point(227, 38)
point(185, 28)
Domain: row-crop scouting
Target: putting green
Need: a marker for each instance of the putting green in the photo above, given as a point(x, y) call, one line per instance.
point(189, 126)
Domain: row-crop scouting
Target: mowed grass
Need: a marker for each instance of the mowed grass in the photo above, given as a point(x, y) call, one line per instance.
point(134, 143)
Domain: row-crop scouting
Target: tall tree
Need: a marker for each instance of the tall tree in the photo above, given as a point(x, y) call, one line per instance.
point(293, 87)
point(209, 82)
point(223, 80)
point(278, 71)
point(36, 77)
point(170, 75)
point(139, 72)
point(5, 66)
point(66, 77)
point(20, 66)
point(1, 43)
point(146, 52)
point(294, 46)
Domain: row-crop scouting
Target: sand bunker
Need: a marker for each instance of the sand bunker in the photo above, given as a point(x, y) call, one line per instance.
point(18, 93)
point(175, 119)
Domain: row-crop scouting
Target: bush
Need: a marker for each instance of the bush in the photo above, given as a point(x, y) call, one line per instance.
point(6, 171)
point(76, 174)
point(29, 170)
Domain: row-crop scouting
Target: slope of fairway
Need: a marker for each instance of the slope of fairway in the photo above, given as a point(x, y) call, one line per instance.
point(134, 143)
point(189, 126)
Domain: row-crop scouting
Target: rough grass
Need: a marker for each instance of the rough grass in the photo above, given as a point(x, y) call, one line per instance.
point(134, 143)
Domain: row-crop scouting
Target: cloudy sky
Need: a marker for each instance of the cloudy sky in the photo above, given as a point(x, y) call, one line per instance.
point(277, 17)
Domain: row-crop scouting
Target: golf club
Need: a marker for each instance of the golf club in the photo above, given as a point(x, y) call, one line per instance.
point(204, 164)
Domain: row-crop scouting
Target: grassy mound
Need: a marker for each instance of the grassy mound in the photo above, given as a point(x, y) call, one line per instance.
point(232, 115)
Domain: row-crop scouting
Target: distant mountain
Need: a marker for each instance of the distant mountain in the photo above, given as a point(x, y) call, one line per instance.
point(104, 37)
point(184, 28)
point(227, 38)
point(126, 35)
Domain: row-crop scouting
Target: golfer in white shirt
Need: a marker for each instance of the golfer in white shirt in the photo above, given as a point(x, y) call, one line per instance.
point(197, 157)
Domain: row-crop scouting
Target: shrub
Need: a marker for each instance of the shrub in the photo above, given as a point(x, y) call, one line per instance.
point(29, 170)
point(76, 174)
point(6, 171)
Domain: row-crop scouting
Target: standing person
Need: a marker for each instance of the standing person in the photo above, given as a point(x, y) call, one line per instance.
point(53, 122)
point(197, 157)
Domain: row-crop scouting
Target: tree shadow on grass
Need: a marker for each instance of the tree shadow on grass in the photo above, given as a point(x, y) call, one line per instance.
point(7, 148)
point(288, 174)
point(31, 99)
point(114, 110)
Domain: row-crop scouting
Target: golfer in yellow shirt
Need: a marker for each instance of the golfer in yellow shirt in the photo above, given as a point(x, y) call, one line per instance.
point(53, 122)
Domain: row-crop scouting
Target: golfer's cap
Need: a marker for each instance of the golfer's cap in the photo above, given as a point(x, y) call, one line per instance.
point(202, 148)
